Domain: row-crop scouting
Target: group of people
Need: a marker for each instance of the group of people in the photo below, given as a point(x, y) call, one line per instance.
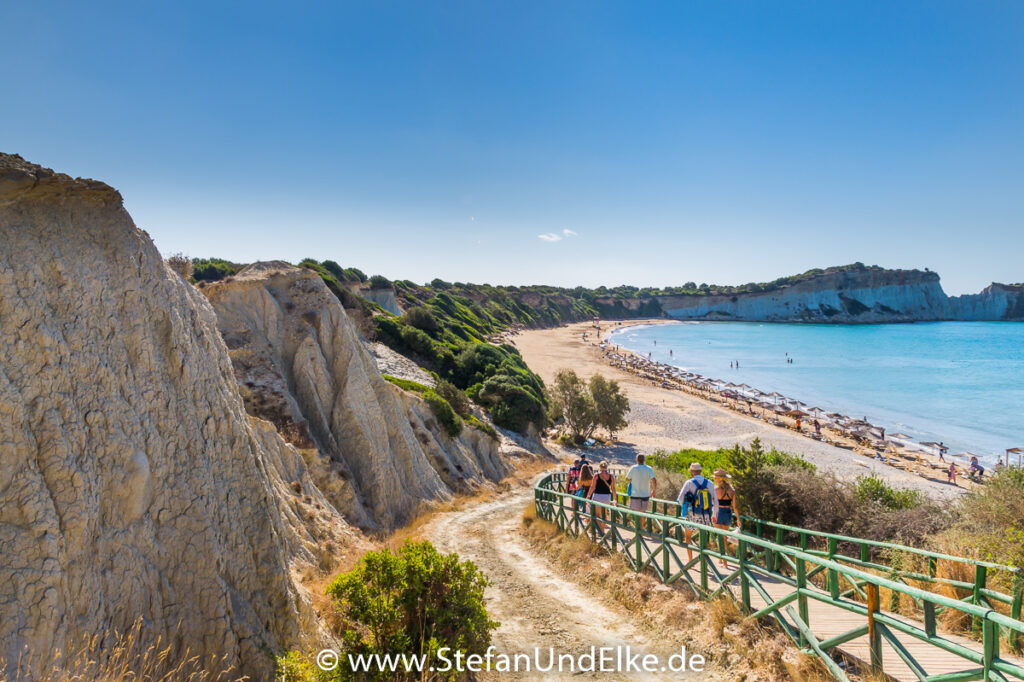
point(599, 486)
point(700, 500)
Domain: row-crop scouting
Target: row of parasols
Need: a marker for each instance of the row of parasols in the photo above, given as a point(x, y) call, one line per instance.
point(859, 430)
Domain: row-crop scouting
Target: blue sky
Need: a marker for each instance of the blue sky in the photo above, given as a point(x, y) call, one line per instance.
point(648, 143)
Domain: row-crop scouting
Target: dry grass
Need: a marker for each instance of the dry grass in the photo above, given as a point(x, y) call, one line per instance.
point(119, 657)
point(735, 647)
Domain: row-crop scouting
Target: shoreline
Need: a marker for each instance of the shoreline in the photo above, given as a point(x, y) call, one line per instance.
point(666, 416)
point(853, 431)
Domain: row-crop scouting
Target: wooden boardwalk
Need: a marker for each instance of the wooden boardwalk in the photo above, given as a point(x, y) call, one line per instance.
point(821, 619)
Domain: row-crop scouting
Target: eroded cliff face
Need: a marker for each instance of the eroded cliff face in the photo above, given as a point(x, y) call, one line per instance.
point(376, 451)
point(995, 302)
point(864, 296)
point(133, 484)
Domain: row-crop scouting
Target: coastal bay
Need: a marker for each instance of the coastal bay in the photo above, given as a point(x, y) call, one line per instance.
point(666, 419)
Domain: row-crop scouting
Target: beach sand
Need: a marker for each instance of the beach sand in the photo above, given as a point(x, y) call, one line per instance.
point(666, 419)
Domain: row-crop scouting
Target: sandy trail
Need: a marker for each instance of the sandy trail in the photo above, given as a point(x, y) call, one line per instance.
point(535, 605)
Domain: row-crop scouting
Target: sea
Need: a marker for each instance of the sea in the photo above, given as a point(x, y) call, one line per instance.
point(959, 383)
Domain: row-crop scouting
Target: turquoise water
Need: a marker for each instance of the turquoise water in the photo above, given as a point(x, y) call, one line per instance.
point(961, 383)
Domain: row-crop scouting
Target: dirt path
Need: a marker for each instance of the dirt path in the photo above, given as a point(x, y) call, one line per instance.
point(535, 605)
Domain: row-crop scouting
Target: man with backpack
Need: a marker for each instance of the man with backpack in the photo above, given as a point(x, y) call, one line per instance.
point(699, 502)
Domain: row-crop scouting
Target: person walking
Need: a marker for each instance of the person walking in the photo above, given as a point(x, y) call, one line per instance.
point(952, 473)
point(602, 489)
point(699, 503)
point(727, 508)
point(585, 480)
point(642, 484)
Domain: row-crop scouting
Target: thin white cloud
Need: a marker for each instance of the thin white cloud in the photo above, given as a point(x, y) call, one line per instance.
point(555, 237)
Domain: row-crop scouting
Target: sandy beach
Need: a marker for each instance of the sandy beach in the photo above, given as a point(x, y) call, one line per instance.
point(670, 420)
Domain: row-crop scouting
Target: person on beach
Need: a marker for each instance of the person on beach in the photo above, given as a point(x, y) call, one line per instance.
point(642, 484)
point(698, 502)
point(817, 427)
point(727, 508)
point(602, 489)
point(952, 473)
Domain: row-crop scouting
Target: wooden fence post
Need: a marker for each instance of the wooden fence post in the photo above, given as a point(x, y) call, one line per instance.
point(801, 598)
point(702, 543)
point(637, 541)
point(833, 575)
point(874, 635)
point(990, 646)
point(664, 552)
point(979, 584)
point(1015, 610)
point(741, 558)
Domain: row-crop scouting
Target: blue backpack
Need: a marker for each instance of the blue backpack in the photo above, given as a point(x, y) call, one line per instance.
point(700, 500)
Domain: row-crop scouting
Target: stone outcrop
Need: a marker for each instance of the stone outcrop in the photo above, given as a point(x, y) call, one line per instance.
point(377, 451)
point(852, 296)
point(133, 484)
point(995, 302)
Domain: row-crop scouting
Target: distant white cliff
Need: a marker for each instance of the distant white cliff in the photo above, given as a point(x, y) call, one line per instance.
point(855, 294)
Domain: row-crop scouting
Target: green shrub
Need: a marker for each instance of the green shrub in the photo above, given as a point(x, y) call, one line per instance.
point(440, 407)
point(212, 269)
point(417, 341)
point(380, 282)
point(873, 489)
point(455, 397)
point(421, 318)
point(512, 404)
point(444, 413)
point(483, 426)
point(407, 384)
point(413, 601)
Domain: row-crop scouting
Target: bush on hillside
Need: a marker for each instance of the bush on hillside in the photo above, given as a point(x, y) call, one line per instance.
point(455, 397)
point(380, 282)
point(874, 489)
point(411, 601)
point(212, 269)
point(421, 318)
point(512, 405)
point(444, 413)
point(439, 406)
point(417, 341)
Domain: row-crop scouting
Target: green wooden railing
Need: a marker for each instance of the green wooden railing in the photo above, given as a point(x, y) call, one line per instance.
point(826, 573)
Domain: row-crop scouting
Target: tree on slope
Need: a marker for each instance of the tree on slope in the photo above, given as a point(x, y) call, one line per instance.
point(583, 408)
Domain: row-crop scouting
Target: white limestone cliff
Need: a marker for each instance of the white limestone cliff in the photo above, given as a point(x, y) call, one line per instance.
point(853, 295)
point(132, 482)
point(377, 451)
